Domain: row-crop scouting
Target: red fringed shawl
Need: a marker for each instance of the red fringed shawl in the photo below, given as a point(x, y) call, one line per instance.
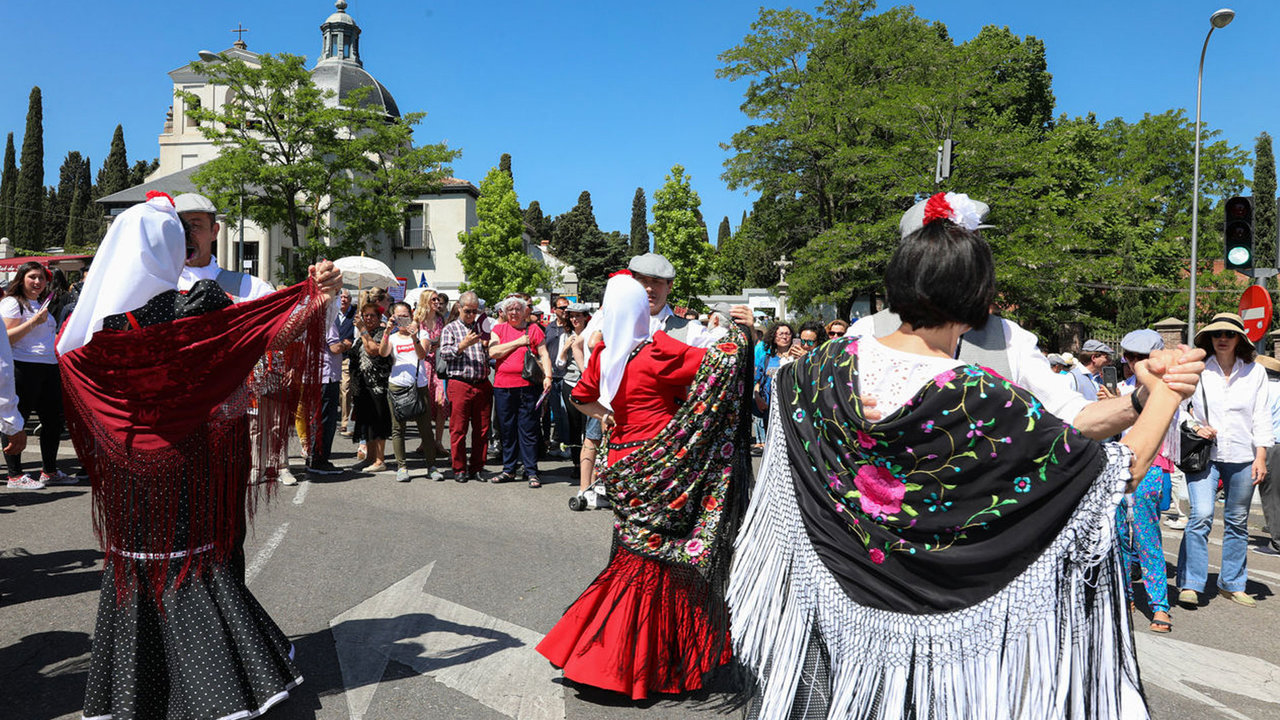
point(158, 416)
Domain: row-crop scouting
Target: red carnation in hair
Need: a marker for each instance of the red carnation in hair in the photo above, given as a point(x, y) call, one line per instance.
point(153, 194)
point(623, 271)
point(937, 209)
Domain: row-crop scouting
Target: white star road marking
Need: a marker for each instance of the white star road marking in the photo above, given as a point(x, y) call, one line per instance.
point(491, 660)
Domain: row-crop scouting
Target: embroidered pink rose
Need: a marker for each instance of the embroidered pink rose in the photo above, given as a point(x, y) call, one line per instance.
point(945, 377)
point(881, 492)
point(877, 556)
point(865, 441)
point(694, 548)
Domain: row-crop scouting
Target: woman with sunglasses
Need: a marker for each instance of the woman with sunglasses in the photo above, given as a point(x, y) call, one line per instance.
point(430, 318)
point(812, 334)
point(1232, 411)
point(836, 329)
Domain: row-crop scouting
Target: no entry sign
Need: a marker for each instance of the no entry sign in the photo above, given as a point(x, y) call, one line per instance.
point(1255, 311)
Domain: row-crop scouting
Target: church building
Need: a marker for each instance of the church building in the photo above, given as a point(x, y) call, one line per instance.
point(426, 248)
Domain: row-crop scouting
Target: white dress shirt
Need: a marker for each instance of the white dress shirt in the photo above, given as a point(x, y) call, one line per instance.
point(251, 288)
point(1238, 409)
point(1029, 366)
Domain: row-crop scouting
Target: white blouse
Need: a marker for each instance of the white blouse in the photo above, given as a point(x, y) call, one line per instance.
point(892, 376)
point(1238, 409)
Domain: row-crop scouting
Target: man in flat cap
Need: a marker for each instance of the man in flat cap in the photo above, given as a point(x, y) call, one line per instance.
point(1087, 374)
point(1012, 352)
point(200, 221)
point(657, 275)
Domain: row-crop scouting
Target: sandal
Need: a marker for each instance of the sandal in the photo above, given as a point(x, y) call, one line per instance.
point(533, 482)
point(1161, 626)
point(501, 478)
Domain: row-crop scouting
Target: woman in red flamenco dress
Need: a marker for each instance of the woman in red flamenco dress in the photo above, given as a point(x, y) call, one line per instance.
point(654, 620)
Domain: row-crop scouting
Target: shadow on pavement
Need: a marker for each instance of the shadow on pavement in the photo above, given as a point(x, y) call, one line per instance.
point(25, 577)
point(44, 674)
point(20, 498)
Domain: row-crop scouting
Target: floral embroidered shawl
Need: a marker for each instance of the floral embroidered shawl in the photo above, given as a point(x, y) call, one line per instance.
point(940, 504)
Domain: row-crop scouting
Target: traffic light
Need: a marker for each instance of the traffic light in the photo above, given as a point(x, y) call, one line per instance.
point(1237, 239)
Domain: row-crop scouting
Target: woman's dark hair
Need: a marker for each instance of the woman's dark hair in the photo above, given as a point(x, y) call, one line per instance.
point(941, 274)
point(15, 285)
point(391, 310)
point(814, 327)
point(772, 333)
point(59, 281)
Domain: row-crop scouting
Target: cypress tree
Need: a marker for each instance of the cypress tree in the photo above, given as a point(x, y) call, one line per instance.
point(724, 232)
point(639, 224)
point(8, 183)
point(29, 197)
point(570, 229)
point(75, 218)
point(504, 164)
point(140, 170)
point(60, 200)
point(114, 175)
point(1264, 202)
point(536, 224)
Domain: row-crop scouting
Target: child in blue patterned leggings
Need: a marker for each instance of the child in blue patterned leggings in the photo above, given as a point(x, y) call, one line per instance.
point(1138, 529)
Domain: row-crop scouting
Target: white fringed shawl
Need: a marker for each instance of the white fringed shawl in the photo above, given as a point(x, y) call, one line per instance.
point(1056, 642)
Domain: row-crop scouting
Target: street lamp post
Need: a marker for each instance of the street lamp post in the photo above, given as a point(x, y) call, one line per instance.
point(1219, 19)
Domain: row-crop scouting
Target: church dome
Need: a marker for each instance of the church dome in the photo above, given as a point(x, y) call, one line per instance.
point(340, 68)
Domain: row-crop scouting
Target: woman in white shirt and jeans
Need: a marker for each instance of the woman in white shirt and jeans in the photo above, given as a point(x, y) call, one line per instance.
point(1238, 420)
point(32, 334)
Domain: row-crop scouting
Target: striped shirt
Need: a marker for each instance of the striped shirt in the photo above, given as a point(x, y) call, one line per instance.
point(471, 363)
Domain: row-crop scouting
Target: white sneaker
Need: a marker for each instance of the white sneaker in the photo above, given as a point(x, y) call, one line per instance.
point(1176, 523)
point(286, 478)
point(25, 482)
point(402, 475)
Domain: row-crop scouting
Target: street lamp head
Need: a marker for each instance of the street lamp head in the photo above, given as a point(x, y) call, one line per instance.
point(1222, 18)
point(207, 56)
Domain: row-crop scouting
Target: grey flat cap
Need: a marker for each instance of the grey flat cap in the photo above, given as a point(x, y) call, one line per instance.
point(913, 219)
point(1097, 346)
point(193, 202)
point(1056, 359)
point(1142, 342)
point(578, 308)
point(653, 265)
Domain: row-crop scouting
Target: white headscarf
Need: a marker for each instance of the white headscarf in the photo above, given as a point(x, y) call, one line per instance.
point(140, 258)
point(625, 315)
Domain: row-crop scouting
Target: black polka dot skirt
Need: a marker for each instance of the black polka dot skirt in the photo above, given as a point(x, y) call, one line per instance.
point(213, 654)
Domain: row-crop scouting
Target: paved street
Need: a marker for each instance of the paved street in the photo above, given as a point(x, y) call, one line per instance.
point(424, 600)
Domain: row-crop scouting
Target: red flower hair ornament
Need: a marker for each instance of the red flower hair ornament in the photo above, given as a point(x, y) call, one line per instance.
point(956, 207)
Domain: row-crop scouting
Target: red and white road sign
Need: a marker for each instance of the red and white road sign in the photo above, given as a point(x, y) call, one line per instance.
point(1255, 310)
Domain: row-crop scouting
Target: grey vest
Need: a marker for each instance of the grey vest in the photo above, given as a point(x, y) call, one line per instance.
point(986, 347)
point(229, 281)
point(677, 327)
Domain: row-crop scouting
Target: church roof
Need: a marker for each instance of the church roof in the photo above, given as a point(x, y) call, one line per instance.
point(342, 76)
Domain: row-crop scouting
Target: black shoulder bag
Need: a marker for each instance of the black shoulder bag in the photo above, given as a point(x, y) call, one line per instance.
point(1194, 456)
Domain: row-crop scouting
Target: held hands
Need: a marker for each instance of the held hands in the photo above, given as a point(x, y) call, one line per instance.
point(1173, 372)
point(327, 276)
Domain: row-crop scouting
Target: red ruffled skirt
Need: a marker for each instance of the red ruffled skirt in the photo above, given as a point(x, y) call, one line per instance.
point(641, 627)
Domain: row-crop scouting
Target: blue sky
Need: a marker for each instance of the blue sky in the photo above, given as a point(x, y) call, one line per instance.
point(603, 96)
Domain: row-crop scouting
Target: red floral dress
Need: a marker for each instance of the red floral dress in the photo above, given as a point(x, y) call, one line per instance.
point(638, 628)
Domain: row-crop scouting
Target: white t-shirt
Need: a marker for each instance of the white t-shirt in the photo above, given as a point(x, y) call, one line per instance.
point(404, 358)
point(37, 345)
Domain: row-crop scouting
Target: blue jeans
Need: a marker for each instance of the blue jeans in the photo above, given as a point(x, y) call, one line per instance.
point(1193, 554)
point(515, 414)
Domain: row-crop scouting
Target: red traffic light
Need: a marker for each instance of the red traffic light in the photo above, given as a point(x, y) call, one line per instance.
point(1239, 208)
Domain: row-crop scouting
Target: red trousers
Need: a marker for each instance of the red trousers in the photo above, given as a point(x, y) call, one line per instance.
point(471, 404)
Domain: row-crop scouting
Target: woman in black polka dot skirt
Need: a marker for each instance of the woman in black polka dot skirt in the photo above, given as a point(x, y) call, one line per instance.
point(179, 636)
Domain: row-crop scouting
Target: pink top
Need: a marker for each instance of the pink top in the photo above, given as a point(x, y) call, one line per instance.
point(509, 368)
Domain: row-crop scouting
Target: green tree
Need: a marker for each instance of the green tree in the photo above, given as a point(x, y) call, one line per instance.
point(536, 224)
point(1264, 202)
point(639, 224)
point(29, 195)
point(724, 232)
point(113, 176)
point(140, 169)
point(493, 254)
point(680, 235)
point(504, 164)
point(744, 259)
point(8, 187)
point(61, 198)
point(336, 177)
point(570, 231)
point(83, 222)
point(602, 255)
